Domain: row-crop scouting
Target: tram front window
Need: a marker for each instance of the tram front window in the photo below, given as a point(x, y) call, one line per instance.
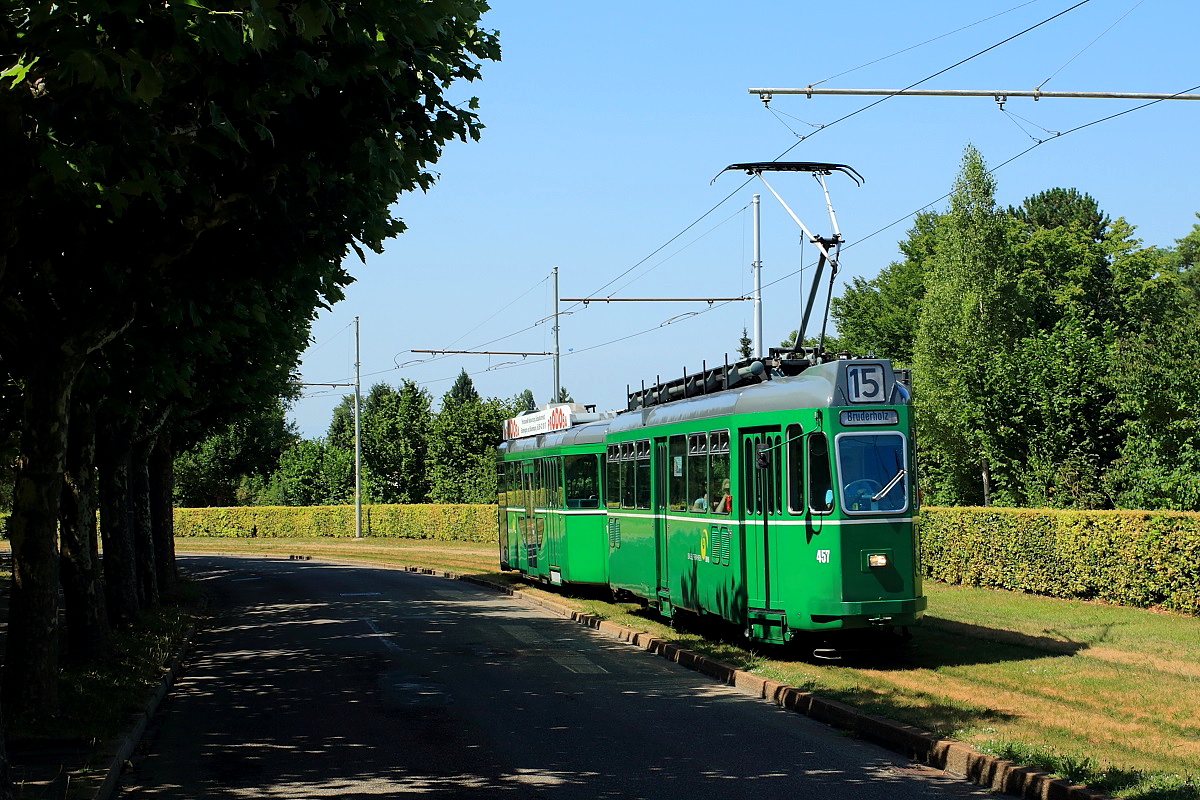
point(872, 472)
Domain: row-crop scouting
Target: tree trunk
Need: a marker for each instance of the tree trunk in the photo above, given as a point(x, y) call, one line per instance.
point(7, 790)
point(88, 633)
point(31, 662)
point(143, 539)
point(116, 531)
point(985, 471)
point(162, 516)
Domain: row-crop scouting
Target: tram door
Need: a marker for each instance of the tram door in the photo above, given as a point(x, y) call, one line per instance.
point(531, 525)
point(660, 471)
point(759, 504)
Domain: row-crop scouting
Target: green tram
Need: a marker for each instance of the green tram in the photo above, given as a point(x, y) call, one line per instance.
point(777, 494)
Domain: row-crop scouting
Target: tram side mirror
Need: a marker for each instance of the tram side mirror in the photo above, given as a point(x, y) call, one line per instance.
point(762, 458)
point(829, 498)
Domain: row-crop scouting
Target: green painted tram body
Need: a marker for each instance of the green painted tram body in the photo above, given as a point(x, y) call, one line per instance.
point(818, 532)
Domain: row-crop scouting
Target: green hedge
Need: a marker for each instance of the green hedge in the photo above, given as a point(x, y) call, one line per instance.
point(463, 523)
point(1133, 558)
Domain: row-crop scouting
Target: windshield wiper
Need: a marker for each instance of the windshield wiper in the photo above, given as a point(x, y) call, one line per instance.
point(889, 486)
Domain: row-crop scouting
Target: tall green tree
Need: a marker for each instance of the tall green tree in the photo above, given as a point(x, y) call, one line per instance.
point(524, 401)
point(462, 450)
point(219, 470)
point(314, 473)
point(1062, 433)
point(745, 347)
point(965, 320)
point(1059, 207)
point(164, 126)
point(1154, 372)
point(463, 390)
point(396, 427)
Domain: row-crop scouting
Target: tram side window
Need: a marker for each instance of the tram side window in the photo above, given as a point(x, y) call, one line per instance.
point(539, 483)
point(642, 452)
point(583, 481)
point(820, 482)
point(554, 482)
point(718, 464)
point(795, 469)
point(677, 478)
point(516, 494)
point(697, 472)
point(628, 476)
point(501, 485)
point(760, 485)
point(613, 477)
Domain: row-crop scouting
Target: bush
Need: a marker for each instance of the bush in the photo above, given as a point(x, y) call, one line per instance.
point(463, 523)
point(1133, 558)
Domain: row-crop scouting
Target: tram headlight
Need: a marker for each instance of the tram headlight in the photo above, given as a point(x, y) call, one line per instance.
point(877, 560)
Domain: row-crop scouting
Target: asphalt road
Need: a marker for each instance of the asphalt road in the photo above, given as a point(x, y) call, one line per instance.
point(323, 680)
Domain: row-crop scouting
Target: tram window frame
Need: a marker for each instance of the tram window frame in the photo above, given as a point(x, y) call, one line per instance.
point(774, 442)
point(749, 496)
point(554, 482)
point(677, 494)
point(697, 473)
point(612, 471)
point(903, 483)
point(817, 487)
point(720, 461)
point(539, 483)
point(643, 480)
point(795, 440)
point(628, 476)
point(581, 475)
point(516, 490)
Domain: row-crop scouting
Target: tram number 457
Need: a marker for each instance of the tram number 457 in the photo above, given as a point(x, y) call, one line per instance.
point(866, 383)
point(822, 556)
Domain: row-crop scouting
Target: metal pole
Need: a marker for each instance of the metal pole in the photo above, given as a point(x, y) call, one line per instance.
point(757, 268)
point(557, 378)
point(357, 436)
point(1036, 94)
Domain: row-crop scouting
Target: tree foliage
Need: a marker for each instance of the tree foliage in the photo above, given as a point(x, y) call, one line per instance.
point(745, 347)
point(964, 322)
point(233, 466)
point(395, 443)
point(188, 155)
point(462, 391)
point(524, 401)
point(462, 450)
point(1053, 352)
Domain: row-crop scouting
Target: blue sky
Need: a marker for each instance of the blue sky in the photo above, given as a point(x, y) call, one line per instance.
point(606, 123)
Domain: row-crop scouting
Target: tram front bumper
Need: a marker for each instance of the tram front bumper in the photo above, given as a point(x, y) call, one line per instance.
point(826, 614)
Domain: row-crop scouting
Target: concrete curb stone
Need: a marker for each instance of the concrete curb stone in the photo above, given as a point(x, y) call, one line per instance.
point(122, 747)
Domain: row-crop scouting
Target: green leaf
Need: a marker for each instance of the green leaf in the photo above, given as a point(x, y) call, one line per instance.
point(18, 72)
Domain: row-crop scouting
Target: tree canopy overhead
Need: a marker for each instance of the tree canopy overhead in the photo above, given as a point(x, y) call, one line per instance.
point(182, 182)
